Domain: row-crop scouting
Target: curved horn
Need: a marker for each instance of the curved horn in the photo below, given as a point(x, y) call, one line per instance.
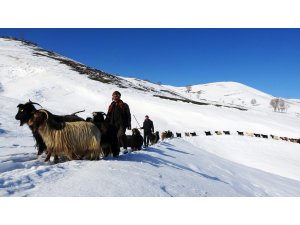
point(47, 115)
point(34, 103)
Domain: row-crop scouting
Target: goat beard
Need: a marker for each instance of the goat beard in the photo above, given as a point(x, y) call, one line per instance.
point(22, 123)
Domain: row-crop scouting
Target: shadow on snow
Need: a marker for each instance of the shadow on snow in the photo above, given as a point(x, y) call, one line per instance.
point(142, 157)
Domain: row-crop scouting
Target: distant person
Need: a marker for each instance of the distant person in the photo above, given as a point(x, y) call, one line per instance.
point(148, 130)
point(119, 116)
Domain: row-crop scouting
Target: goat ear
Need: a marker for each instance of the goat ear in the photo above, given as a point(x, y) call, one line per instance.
point(30, 122)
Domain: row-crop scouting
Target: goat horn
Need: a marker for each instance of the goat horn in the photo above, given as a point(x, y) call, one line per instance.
point(47, 115)
point(78, 112)
point(34, 103)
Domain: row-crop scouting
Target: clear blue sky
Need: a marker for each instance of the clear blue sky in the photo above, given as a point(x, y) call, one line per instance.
point(266, 59)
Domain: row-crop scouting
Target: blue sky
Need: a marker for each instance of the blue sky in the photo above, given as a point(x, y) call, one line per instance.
point(266, 59)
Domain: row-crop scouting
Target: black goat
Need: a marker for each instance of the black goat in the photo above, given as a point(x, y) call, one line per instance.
point(207, 133)
point(157, 136)
point(226, 132)
point(284, 138)
point(264, 136)
point(26, 112)
point(257, 135)
point(154, 138)
point(240, 133)
point(193, 134)
point(109, 139)
point(178, 135)
point(170, 134)
point(89, 119)
point(135, 141)
point(293, 140)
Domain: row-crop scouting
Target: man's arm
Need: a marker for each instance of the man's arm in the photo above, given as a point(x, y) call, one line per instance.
point(127, 110)
point(143, 125)
point(108, 114)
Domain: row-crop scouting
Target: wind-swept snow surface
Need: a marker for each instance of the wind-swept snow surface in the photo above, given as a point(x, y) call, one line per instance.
point(190, 166)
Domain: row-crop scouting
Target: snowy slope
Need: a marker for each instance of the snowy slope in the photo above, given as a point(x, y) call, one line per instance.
point(192, 166)
point(234, 93)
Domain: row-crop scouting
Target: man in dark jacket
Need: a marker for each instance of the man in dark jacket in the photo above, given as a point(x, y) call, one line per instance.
point(148, 130)
point(119, 116)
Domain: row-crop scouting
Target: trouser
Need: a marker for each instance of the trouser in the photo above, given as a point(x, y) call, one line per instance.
point(122, 137)
point(146, 139)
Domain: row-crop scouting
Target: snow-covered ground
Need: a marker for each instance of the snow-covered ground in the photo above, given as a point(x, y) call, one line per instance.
point(189, 166)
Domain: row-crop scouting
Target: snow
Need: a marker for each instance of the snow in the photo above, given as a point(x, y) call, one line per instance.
point(200, 166)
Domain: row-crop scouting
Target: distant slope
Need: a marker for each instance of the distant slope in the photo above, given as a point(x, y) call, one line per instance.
point(233, 93)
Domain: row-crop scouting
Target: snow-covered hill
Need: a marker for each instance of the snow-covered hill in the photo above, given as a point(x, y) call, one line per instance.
point(233, 93)
point(191, 166)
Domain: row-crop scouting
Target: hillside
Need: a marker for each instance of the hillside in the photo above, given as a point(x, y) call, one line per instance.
point(191, 166)
point(234, 94)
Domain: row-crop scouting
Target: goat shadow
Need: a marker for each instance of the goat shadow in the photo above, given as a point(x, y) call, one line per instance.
point(2, 131)
point(171, 147)
point(143, 157)
point(159, 151)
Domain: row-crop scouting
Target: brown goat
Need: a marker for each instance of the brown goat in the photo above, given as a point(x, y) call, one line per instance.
point(75, 140)
point(163, 135)
point(25, 112)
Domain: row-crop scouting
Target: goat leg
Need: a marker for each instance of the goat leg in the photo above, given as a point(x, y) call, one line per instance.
point(56, 159)
point(49, 155)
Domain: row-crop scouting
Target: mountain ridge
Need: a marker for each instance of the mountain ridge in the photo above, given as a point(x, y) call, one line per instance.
point(142, 85)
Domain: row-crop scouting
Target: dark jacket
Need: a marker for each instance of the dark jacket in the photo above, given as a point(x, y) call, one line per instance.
point(119, 114)
point(148, 126)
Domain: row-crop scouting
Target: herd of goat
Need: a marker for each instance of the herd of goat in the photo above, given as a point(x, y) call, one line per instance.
point(72, 137)
point(169, 134)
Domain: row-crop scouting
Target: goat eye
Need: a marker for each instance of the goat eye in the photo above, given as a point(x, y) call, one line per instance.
point(21, 110)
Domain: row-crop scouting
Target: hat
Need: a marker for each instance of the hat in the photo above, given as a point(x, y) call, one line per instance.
point(116, 93)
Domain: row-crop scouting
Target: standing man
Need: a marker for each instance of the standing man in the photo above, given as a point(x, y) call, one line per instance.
point(119, 116)
point(148, 130)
